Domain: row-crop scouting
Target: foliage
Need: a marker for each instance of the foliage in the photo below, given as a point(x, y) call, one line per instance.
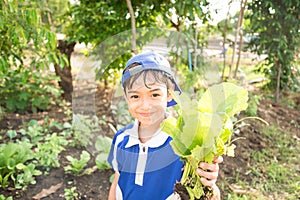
point(34, 132)
point(23, 37)
point(269, 167)
point(112, 19)
point(109, 33)
point(120, 111)
point(52, 12)
point(77, 165)
point(13, 159)
point(11, 134)
point(70, 193)
point(27, 177)
point(103, 144)
point(27, 90)
point(203, 129)
point(198, 78)
point(26, 48)
point(2, 197)
point(253, 103)
point(84, 129)
point(28, 148)
point(47, 153)
point(280, 17)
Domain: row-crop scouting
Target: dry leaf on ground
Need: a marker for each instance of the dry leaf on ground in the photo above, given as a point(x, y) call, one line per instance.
point(46, 192)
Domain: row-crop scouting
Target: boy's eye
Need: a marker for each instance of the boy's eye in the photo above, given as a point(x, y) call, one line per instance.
point(134, 96)
point(155, 95)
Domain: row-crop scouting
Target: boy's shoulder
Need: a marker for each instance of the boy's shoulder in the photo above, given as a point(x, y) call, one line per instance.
point(122, 130)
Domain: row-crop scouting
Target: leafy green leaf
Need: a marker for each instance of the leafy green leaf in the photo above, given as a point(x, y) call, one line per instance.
point(203, 129)
point(225, 98)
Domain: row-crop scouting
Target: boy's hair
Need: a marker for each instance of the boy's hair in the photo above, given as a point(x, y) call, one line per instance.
point(157, 77)
point(149, 65)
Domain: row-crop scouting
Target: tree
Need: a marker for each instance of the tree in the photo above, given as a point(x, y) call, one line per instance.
point(105, 25)
point(21, 32)
point(276, 24)
point(27, 47)
point(94, 22)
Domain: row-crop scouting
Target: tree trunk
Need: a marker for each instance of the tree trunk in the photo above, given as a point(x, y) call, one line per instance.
point(65, 72)
point(133, 27)
point(277, 92)
point(243, 6)
point(224, 42)
point(235, 41)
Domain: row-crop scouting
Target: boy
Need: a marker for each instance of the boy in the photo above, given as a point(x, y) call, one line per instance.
point(141, 155)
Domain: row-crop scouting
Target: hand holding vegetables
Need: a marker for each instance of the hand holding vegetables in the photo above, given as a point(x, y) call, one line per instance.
point(209, 172)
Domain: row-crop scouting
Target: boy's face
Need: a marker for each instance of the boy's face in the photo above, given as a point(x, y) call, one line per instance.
point(148, 104)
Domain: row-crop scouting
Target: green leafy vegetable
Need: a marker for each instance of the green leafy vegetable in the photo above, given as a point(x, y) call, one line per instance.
point(203, 129)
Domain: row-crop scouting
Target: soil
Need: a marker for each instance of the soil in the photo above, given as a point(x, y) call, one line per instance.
point(96, 185)
point(184, 195)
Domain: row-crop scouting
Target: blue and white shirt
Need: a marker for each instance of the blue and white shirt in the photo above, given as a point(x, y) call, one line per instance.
point(147, 170)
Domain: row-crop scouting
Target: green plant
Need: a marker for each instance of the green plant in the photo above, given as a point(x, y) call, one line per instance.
point(85, 128)
point(34, 131)
point(268, 17)
point(11, 134)
point(27, 90)
point(203, 130)
point(120, 111)
point(77, 165)
point(193, 80)
point(253, 104)
point(103, 147)
point(47, 152)
point(2, 197)
point(276, 164)
point(13, 158)
point(71, 194)
point(18, 159)
point(23, 179)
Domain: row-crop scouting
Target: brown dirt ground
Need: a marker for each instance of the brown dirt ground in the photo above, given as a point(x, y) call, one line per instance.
point(96, 185)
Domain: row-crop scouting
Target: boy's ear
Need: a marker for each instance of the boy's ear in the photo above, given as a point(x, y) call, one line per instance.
point(169, 97)
point(169, 93)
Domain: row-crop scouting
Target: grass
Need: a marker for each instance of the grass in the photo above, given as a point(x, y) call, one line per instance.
point(273, 171)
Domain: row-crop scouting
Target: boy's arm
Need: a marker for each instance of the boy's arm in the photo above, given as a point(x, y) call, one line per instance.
point(112, 191)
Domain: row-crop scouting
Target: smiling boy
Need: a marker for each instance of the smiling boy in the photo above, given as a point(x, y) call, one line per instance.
point(141, 155)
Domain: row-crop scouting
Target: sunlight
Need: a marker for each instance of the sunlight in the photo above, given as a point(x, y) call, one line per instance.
point(219, 9)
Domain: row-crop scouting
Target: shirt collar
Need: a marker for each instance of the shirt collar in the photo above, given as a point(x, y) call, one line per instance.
point(158, 139)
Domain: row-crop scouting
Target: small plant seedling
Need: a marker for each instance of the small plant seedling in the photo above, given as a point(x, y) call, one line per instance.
point(2, 197)
point(11, 134)
point(71, 194)
point(76, 167)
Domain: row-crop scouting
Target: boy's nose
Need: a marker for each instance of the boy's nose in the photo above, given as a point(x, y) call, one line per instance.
point(146, 103)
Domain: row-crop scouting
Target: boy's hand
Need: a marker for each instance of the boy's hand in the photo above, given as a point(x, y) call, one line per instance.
point(209, 172)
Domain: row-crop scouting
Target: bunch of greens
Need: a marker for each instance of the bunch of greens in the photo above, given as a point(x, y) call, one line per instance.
point(203, 129)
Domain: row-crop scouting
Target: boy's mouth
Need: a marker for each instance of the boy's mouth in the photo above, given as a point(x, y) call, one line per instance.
point(145, 114)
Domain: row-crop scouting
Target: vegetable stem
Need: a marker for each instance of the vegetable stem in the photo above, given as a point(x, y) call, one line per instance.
point(186, 172)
